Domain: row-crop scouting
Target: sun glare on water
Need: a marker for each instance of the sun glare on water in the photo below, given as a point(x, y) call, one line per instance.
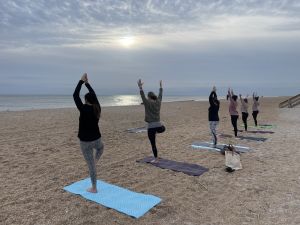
point(128, 41)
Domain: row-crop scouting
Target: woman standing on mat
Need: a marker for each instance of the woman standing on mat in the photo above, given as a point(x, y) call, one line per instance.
point(255, 107)
point(89, 133)
point(152, 106)
point(233, 110)
point(244, 110)
point(213, 114)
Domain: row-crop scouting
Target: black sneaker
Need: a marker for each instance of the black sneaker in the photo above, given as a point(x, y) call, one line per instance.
point(229, 170)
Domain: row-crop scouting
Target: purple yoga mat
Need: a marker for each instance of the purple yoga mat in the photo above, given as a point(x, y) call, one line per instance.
point(260, 132)
point(244, 137)
point(187, 168)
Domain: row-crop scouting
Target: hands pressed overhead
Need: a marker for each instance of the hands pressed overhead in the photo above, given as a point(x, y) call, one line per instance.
point(140, 84)
point(84, 78)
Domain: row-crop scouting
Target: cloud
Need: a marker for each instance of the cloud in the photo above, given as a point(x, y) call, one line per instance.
point(29, 23)
point(188, 43)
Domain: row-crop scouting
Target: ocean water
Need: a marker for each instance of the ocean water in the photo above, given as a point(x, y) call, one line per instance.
point(30, 102)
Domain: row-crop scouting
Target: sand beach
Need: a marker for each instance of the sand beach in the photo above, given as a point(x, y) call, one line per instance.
point(40, 154)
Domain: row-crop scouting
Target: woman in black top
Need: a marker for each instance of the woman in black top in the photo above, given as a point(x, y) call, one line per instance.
point(89, 133)
point(213, 114)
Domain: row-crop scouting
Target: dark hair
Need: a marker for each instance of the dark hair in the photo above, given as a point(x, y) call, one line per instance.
point(215, 99)
point(256, 98)
point(246, 100)
point(92, 99)
point(216, 102)
point(152, 95)
point(234, 97)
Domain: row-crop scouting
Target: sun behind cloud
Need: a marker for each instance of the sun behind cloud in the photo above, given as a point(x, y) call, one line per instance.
point(127, 41)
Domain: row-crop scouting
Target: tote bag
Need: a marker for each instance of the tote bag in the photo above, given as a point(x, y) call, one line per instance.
point(233, 160)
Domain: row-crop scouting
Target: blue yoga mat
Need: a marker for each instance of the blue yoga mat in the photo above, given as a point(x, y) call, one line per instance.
point(131, 203)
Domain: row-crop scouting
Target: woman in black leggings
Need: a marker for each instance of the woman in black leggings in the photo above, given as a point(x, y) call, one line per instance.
point(88, 132)
point(152, 115)
point(233, 110)
point(244, 110)
point(255, 110)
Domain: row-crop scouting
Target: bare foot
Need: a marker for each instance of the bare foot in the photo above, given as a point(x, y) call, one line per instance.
point(92, 190)
point(154, 160)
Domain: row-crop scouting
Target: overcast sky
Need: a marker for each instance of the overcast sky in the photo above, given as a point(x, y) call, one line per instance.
point(45, 45)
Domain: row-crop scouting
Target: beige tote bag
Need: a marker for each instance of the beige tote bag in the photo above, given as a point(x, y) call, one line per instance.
point(233, 160)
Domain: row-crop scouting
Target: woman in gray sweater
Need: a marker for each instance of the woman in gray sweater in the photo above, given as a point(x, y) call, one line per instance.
point(152, 106)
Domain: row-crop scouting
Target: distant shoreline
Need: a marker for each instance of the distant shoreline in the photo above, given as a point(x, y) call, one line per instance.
point(108, 106)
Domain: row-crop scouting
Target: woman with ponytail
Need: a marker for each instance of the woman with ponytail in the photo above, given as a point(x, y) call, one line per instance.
point(89, 133)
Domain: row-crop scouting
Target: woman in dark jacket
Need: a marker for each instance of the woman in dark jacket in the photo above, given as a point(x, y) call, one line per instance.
point(89, 133)
point(213, 115)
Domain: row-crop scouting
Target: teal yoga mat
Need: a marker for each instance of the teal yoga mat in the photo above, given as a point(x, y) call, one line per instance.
point(128, 202)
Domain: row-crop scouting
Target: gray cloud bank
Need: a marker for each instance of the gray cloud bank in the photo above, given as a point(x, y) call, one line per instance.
point(191, 45)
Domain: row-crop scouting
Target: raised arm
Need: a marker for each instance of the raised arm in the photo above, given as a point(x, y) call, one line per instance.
point(229, 94)
point(140, 85)
point(212, 96)
point(76, 96)
point(160, 91)
point(241, 98)
point(91, 90)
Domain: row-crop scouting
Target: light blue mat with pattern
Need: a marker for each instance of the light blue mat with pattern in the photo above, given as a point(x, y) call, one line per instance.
point(218, 148)
point(131, 203)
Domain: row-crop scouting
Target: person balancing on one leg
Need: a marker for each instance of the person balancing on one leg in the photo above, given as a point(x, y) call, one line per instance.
point(213, 114)
point(244, 110)
point(233, 110)
point(89, 133)
point(255, 105)
point(152, 106)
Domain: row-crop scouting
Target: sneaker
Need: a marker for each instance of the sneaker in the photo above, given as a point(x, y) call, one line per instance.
point(229, 170)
